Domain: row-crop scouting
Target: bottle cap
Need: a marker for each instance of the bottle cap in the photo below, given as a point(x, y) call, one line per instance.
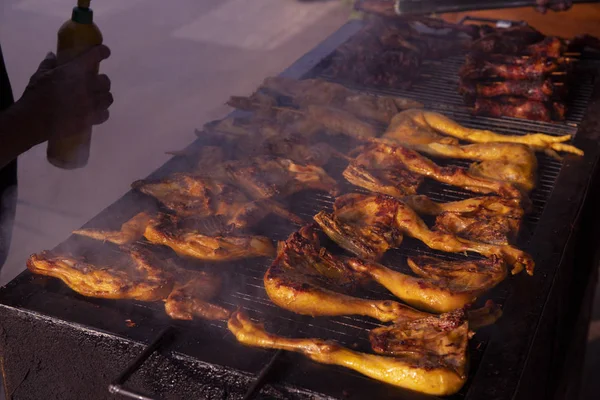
point(83, 3)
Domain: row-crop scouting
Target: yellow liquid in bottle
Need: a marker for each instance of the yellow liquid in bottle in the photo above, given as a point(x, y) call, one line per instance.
point(74, 38)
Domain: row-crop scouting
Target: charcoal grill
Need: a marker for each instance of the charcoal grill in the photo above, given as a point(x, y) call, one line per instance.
point(58, 344)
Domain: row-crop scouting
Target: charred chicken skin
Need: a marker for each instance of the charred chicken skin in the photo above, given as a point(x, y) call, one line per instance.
point(520, 108)
point(533, 90)
point(307, 279)
point(381, 156)
point(415, 127)
point(408, 222)
point(185, 237)
point(409, 370)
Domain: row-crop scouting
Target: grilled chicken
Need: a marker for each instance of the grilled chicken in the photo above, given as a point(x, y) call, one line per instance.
point(303, 93)
point(408, 222)
point(266, 177)
point(132, 273)
point(424, 127)
point(414, 371)
point(192, 195)
point(381, 156)
point(437, 293)
point(483, 206)
point(362, 225)
point(186, 238)
point(439, 341)
point(532, 90)
point(508, 162)
point(135, 272)
point(517, 107)
point(191, 294)
point(308, 280)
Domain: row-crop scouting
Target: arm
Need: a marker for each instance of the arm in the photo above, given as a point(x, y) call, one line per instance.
point(60, 100)
point(15, 133)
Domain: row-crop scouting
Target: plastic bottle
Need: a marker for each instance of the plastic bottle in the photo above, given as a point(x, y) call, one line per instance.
point(75, 36)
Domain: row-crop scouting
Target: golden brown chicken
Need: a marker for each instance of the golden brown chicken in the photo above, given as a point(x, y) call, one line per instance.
point(484, 206)
point(488, 229)
point(192, 195)
point(441, 292)
point(191, 294)
point(424, 127)
point(135, 272)
point(439, 340)
point(185, 237)
point(362, 225)
point(266, 177)
point(381, 156)
point(418, 371)
point(131, 273)
point(354, 207)
point(308, 280)
point(303, 93)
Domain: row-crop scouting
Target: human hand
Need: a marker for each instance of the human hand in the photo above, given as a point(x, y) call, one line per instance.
point(545, 5)
point(65, 99)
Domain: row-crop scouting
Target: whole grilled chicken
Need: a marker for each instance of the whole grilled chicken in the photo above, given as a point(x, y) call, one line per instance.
point(367, 170)
point(308, 280)
point(407, 222)
point(185, 237)
point(427, 368)
point(424, 127)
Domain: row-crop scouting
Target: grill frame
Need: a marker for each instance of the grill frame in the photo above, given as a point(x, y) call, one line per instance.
point(41, 297)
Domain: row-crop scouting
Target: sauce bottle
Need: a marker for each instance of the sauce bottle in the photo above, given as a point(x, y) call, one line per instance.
point(74, 37)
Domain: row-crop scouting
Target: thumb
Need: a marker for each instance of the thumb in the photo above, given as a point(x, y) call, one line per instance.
point(48, 63)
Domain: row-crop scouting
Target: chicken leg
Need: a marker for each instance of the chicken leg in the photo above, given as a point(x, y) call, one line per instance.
point(425, 375)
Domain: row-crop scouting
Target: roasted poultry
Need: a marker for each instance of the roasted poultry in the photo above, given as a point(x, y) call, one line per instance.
point(185, 237)
point(506, 162)
point(541, 91)
point(303, 93)
point(424, 127)
point(131, 273)
point(135, 272)
point(484, 206)
point(375, 169)
point(361, 226)
point(265, 177)
point(425, 368)
point(191, 294)
point(407, 222)
point(307, 279)
point(520, 108)
point(530, 69)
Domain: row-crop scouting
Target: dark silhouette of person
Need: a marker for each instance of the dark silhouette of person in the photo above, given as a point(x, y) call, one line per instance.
point(60, 100)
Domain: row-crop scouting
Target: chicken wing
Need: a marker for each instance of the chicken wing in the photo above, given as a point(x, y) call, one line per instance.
point(185, 237)
point(430, 127)
point(132, 273)
point(424, 375)
point(308, 280)
point(362, 225)
point(382, 156)
point(191, 294)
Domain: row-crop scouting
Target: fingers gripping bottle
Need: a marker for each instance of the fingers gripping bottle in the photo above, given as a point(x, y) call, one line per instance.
point(74, 37)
